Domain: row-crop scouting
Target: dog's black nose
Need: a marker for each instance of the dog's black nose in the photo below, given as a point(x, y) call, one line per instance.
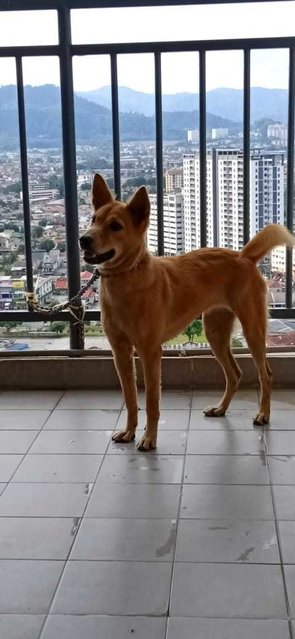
point(85, 241)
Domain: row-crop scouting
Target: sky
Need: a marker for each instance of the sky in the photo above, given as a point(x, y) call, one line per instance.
point(269, 68)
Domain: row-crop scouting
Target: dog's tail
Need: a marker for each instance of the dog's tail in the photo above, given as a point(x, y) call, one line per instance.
point(271, 236)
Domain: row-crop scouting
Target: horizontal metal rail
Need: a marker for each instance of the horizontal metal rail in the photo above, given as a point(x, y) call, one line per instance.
point(29, 5)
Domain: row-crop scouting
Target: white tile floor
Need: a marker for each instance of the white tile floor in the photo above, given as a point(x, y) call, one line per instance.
point(195, 540)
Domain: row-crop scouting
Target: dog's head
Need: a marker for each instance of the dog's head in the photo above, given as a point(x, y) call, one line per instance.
point(117, 230)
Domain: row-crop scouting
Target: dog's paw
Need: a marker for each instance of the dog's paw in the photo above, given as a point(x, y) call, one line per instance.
point(261, 419)
point(214, 411)
point(147, 442)
point(124, 436)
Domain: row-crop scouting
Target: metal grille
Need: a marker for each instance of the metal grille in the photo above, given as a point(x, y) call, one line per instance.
point(65, 51)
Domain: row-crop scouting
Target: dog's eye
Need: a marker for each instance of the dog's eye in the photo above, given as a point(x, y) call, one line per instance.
point(115, 226)
point(93, 220)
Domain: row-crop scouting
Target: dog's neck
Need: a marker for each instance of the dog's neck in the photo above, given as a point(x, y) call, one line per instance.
point(131, 264)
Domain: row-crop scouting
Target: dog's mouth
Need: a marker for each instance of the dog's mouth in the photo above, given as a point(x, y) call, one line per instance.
point(93, 258)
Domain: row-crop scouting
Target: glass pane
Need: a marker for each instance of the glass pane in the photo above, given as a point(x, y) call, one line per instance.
point(27, 28)
point(144, 24)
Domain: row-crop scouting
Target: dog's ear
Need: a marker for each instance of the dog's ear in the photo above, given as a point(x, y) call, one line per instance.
point(101, 193)
point(139, 206)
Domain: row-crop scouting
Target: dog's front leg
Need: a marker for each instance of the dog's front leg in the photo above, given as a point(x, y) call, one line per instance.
point(151, 361)
point(124, 362)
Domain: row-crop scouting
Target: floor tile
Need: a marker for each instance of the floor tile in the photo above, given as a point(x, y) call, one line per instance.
point(58, 468)
point(282, 469)
point(287, 537)
point(170, 399)
point(15, 441)
point(229, 590)
point(225, 469)
point(131, 500)
point(21, 626)
point(82, 420)
point(109, 588)
point(284, 499)
point(71, 442)
point(290, 582)
point(227, 541)
point(27, 587)
point(281, 420)
point(23, 419)
point(173, 419)
point(233, 420)
point(226, 502)
point(283, 400)
point(44, 500)
point(35, 538)
point(91, 399)
point(191, 628)
point(8, 465)
point(169, 442)
point(35, 399)
point(244, 399)
point(213, 442)
point(125, 540)
point(142, 469)
point(96, 627)
point(280, 442)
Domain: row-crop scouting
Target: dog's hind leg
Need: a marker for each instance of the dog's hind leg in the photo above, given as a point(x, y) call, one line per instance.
point(124, 362)
point(253, 317)
point(151, 361)
point(218, 324)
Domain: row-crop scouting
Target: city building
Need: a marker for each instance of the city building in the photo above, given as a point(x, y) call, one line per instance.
point(218, 134)
point(225, 196)
point(278, 132)
point(193, 135)
point(173, 180)
point(267, 190)
point(173, 224)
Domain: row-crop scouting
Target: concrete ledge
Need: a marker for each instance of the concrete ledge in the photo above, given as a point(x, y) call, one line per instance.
point(70, 372)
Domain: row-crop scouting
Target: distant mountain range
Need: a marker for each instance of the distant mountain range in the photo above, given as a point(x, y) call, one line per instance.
point(225, 103)
point(93, 120)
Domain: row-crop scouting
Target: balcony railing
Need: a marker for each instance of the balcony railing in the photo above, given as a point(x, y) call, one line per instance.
point(65, 50)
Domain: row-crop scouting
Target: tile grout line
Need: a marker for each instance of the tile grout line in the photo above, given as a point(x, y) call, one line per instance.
point(287, 602)
point(33, 441)
point(79, 523)
point(173, 563)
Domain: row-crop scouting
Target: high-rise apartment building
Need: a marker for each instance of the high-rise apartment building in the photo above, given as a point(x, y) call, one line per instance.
point(225, 196)
point(173, 224)
point(173, 180)
point(267, 190)
point(191, 201)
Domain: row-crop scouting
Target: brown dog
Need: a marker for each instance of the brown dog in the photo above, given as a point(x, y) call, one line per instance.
point(147, 300)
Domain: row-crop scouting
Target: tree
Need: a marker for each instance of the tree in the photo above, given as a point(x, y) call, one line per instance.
point(9, 325)
point(58, 327)
point(194, 328)
point(37, 231)
point(47, 245)
point(86, 186)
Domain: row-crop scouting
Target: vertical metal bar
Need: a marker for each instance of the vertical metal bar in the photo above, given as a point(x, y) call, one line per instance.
point(24, 173)
point(246, 146)
point(290, 175)
point(116, 129)
point(203, 149)
point(159, 151)
point(215, 198)
point(69, 162)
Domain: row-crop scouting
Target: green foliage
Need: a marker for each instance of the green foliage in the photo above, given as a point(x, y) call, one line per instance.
point(9, 325)
point(194, 328)
point(58, 327)
point(46, 245)
point(37, 232)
